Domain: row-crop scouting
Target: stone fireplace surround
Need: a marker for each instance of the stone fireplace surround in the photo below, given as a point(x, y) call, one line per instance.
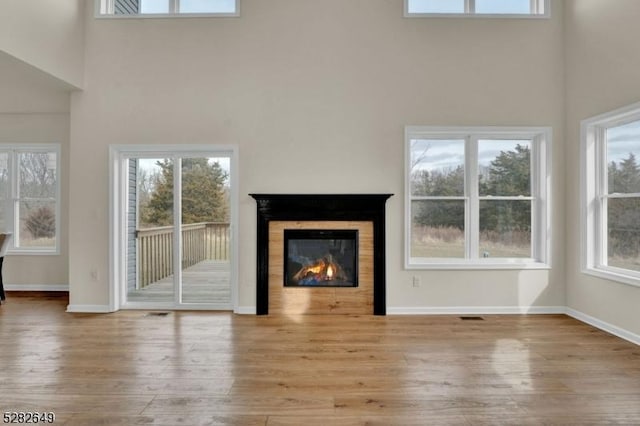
point(321, 207)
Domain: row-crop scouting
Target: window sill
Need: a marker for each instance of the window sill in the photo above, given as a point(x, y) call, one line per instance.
point(611, 275)
point(34, 252)
point(516, 264)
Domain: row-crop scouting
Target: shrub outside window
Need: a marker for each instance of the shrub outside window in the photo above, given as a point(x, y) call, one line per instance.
point(611, 195)
point(476, 197)
point(29, 197)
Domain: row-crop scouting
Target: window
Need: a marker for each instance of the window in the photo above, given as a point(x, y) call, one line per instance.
point(164, 8)
point(499, 8)
point(29, 197)
point(611, 195)
point(477, 197)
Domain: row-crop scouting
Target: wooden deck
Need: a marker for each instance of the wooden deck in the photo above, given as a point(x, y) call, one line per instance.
point(205, 282)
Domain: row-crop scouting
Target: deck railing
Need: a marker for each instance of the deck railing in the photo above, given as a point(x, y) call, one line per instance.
point(200, 241)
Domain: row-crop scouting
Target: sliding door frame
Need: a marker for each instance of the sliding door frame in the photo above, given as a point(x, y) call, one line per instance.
point(119, 156)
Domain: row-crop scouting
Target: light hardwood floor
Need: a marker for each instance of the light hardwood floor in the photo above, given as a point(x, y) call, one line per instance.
point(202, 368)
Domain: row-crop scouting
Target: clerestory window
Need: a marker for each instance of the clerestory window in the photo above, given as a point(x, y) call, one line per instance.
point(484, 8)
point(611, 195)
point(477, 197)
point(168, 8)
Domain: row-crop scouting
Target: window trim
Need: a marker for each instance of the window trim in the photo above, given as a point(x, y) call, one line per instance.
point(103, 9)
point(593, 179)
point(469, 6)
point(11, 199)
point(541, 138)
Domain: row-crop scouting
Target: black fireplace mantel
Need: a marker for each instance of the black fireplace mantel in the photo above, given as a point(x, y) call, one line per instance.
point(329, 207)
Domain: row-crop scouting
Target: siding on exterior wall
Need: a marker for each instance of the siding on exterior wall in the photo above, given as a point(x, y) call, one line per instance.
point(132, 222)
point(126, 7)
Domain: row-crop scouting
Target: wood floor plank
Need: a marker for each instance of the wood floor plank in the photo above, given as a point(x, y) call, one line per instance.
point(166, 420)
point(431, 420)
point(208, 368)
point(71, 402)
point(415, 406)
point(258, 404)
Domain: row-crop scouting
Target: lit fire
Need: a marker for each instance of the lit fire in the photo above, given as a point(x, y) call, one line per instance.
point(324, 269)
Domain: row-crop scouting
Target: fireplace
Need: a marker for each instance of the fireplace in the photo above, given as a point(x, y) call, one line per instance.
point(320, 258)
point(277, 213)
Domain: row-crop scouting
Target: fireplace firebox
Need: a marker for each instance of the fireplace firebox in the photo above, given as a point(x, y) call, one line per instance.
point(320, 258)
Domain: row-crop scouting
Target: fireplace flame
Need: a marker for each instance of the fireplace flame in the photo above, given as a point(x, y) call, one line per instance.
point(325, 269)
point(316, 269)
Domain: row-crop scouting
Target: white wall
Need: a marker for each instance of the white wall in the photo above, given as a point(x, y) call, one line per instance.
point(47, 34)
point(316, 94)
point(34, 108)
point(603, 63)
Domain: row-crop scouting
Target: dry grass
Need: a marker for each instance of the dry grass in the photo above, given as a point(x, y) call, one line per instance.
point(631, 263)
point(38, 242)
point(449, 242)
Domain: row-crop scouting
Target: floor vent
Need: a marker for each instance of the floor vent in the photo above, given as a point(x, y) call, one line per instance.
point(471, 318)
point(157, 314)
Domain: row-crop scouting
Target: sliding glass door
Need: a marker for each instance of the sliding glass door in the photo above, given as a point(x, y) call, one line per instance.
point(176, 229)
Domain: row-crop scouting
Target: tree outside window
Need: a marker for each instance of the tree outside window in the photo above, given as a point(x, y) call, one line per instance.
point(623, 197)
point(475, 198)
point(205, 192)
point(611, 195)
point(29, 191)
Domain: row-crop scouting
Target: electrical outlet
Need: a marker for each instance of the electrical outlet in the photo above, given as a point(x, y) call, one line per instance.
point(416, 281)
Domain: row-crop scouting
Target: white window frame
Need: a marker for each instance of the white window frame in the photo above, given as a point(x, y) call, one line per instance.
point(105, 9)
point(538, 9)
point(594, 194)
point(540, 196)
point(13, 199)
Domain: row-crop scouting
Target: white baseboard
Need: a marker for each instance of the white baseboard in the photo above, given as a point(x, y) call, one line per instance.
point(496, 310)
point(89, 309)
point(245, 310)
point(36, 287)
point(476, 310)
point(605, 326)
